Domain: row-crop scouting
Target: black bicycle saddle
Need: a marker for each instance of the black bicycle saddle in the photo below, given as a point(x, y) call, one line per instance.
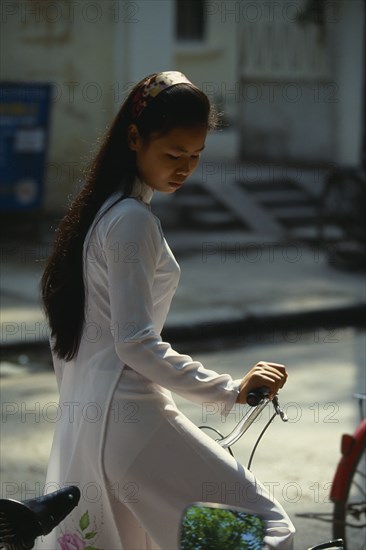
point(22, 522)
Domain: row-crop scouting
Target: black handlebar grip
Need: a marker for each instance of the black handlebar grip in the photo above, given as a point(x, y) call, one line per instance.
point(254, 397)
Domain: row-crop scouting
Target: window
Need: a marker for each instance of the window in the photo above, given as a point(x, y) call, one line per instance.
point(190, 20)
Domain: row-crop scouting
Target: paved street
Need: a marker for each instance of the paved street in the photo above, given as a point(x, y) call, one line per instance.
point(235, 277)
point(242, 280)
point(295, 460)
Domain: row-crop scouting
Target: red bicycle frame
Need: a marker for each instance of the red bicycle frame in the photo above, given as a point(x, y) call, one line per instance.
point(351, 448)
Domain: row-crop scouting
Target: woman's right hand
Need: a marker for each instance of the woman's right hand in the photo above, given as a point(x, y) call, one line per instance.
point(271, 375)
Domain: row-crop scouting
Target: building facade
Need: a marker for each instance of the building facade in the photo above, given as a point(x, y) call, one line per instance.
point(292, 93)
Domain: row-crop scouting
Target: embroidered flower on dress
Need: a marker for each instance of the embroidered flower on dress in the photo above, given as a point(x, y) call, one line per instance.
point(82, 540)
point(70, 541)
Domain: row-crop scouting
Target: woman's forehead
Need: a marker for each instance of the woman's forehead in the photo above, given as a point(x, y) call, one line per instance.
point(185, 139)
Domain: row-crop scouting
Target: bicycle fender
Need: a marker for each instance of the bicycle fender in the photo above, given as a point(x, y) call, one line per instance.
point(351, 448)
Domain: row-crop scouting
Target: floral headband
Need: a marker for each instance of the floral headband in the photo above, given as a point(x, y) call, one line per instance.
point(153, 87)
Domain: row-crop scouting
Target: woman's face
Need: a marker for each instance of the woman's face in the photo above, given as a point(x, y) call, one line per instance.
point(165, 162)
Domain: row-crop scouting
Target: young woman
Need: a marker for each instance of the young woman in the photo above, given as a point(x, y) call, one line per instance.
point(106, 289)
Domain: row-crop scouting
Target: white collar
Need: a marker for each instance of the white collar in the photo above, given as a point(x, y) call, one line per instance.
point(141, 191)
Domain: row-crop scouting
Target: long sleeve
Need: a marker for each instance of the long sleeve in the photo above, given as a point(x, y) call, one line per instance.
point(137, 343)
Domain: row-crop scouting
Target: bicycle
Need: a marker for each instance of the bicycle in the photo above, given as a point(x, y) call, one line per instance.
point(348, 491)
point(258, 401)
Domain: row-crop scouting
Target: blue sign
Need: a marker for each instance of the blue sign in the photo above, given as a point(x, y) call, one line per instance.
point(24, 130)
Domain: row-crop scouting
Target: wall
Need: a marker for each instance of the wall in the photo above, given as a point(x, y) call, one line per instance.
point(68, 44)
point(296, 92)
point(349, 60)
point(213, 64)
point(288, 89)
point(92, 51)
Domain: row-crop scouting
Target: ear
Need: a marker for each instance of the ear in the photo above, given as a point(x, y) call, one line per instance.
point(133, 137)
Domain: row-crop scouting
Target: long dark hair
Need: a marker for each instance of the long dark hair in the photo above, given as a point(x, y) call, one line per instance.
point(112, 169)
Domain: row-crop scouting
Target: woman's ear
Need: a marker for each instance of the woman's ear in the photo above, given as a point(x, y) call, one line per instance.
point(133, 137)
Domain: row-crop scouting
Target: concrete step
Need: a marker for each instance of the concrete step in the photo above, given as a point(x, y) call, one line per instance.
point(310, 233)
point(286, 202)
point(214, 217)
point(295, 216)
point(289, 196)
point(293, 212)
point(194, 206)
point(194, 201)
point(268, 206)
point(269, 185)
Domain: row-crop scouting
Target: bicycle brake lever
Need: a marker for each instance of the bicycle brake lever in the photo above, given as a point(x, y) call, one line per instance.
point(278, 409)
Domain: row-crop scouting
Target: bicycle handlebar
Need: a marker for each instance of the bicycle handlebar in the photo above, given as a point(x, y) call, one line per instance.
point(258, 399)
point(254, 397)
